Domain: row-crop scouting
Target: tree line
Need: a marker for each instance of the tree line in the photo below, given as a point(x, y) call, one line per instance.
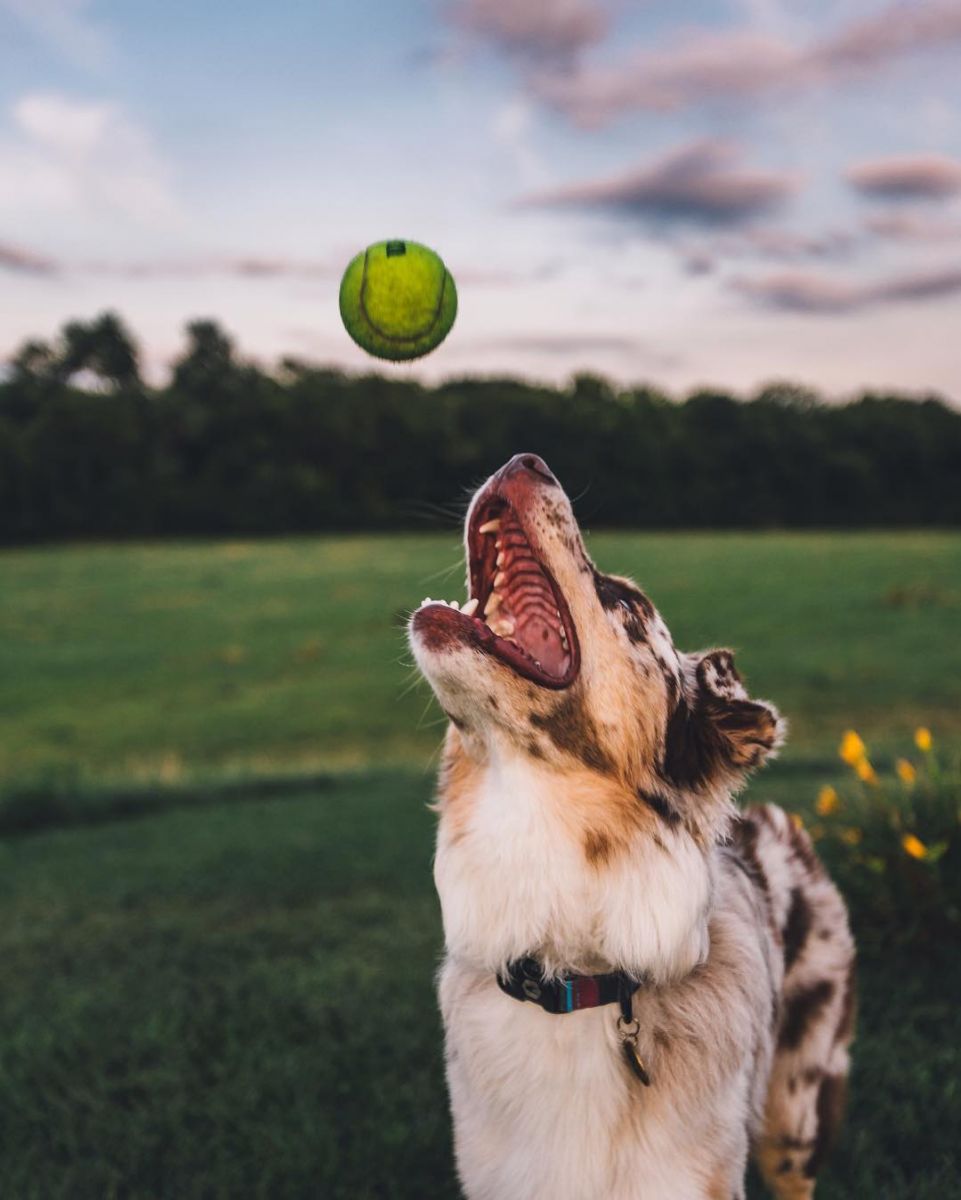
point(88, 449)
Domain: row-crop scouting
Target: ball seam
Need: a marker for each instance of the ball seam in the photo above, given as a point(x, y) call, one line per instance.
point(400, 339)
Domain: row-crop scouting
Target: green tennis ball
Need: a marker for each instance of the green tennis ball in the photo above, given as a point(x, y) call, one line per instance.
point(398, 300)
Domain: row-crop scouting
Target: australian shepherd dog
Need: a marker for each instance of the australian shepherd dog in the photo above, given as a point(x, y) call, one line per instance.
point(641, 985)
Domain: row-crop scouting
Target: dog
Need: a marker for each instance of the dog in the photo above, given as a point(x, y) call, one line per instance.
point(641, 986)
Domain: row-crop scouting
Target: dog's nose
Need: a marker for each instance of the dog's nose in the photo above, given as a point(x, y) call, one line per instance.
point(529, 464)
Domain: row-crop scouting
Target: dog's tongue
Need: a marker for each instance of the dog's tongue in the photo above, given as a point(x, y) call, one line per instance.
point(542, 641)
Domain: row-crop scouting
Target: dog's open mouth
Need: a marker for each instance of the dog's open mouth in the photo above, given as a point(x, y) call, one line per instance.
point(516, 612)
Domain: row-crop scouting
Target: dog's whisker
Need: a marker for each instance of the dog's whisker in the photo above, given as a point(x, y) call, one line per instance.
point(444, 573)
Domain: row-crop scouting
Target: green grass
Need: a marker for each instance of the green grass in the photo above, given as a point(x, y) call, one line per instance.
point(164, 662)
point(219, 934)
point(237, 1001)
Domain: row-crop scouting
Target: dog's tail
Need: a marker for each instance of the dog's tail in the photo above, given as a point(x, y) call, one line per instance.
point(808, 1082)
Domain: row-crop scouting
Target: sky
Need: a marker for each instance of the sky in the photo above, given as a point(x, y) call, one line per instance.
point(722, 193)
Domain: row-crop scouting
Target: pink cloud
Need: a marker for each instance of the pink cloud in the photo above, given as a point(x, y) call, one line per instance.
point(705, 66)
point(909, 177)
point(25, 262)
point(786, 245)
point(912, 227)
point(702, 64)
point(702, 182)
point(538, 29)
point(796, 291)
point(900, 29)
point(13, 258)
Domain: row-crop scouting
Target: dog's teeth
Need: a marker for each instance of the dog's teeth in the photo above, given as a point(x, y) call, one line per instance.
point(503, 627)
point(499, 579)
point(493, 603)
point(470, 607)
point(490, 526)
point(426, 600)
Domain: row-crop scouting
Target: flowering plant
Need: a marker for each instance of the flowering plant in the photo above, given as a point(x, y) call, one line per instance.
point(893, 839)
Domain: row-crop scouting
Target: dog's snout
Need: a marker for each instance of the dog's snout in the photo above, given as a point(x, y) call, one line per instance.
point(531, 464)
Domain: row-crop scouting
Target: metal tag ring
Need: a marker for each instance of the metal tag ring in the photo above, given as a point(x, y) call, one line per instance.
point(625, 1030)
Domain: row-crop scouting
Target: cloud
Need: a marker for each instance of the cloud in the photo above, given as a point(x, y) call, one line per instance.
point(82, 156)
point(254, 267)
point(786, 245)
point(250, 267)
point(497, 277)
point(704, 65)
point(910, 177)
point(564, 347)
point(24, 262)
point(567, 343)
point(808, 293)
point(912, 227)
point(702, 183)
point(902, 28)
point(533, 29)
point(701, 256)
point(698, 262)
point(67, 27)
point(701, 65)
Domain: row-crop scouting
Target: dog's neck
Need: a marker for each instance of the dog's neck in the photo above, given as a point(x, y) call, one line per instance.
point(514, 880)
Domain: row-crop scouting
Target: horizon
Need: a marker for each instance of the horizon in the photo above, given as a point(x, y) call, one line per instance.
point(750, 195)
point(87, 379)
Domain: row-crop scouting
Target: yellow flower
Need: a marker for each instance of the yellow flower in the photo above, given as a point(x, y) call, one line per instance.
point(797, 821)
point(906, 772)
point(852, 749)
point(851, 835)
point(827, 802)
point(914, 846)
point(866, 772)
point(923, 739)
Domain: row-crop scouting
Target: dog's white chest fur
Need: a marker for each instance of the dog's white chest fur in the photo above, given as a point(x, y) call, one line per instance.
point(545, 1108)
point(544, 1105)
point(515, 882)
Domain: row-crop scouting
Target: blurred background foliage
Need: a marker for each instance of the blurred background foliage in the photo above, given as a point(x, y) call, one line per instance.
point(88, 449)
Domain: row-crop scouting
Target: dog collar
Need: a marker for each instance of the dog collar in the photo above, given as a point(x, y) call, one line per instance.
point(524, 980)
point(570, 993)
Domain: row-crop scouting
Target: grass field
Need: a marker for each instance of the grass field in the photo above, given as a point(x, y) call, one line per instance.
point(231, 995)
point(163, 662)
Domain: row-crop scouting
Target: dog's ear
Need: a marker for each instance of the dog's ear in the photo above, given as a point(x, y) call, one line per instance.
point(716, 733)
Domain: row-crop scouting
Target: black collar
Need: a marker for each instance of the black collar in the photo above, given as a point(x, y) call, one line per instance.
point(525, 981)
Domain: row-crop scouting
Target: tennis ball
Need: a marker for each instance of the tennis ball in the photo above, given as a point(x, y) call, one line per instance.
point(397, 300)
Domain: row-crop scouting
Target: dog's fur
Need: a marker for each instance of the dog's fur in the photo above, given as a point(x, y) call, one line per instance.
point(592, 827)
